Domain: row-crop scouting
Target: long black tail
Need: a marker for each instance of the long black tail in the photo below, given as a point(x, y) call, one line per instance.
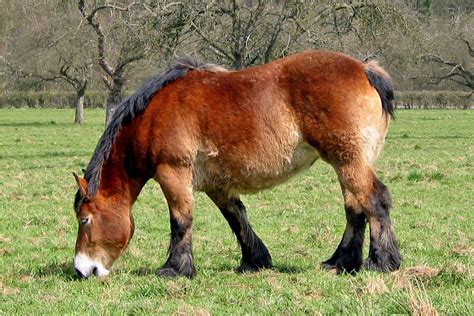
point(383, 83)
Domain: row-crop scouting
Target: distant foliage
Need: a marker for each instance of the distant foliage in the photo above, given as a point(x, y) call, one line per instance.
point(51, 99)
point(97, 99)
point(433, 100)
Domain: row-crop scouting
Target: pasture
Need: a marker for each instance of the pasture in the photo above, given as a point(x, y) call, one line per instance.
point(428, 164)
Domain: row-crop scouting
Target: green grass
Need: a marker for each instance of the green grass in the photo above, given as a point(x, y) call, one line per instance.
point(428, 164)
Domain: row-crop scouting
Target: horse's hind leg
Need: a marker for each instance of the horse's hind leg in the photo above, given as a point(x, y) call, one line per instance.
point(375, 200)
point(255, 255)
point(176, 185)
point(348, 255)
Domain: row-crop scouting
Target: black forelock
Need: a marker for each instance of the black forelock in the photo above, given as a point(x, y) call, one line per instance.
point(77, 201)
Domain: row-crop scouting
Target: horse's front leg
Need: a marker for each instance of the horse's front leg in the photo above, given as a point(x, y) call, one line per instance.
point(176, 185)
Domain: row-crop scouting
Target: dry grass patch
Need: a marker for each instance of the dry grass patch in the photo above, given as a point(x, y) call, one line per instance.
point(5, 239)
point(5, 290)
point(461, 269)
point(375, 285)
point(313, 294)
point(463, 250)
point(412, 280)
point(371, 285)
point(197, 312)
point(419, 301)
point(421, 272)
point(274, 282)
point(403, 278)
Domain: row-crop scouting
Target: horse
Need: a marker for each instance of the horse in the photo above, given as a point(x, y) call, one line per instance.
point(199, 127)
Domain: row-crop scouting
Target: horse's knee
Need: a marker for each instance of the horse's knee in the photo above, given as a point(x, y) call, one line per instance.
point(374, 198)
point(382, 196)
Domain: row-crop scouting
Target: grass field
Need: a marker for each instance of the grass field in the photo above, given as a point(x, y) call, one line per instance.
point(428, 164)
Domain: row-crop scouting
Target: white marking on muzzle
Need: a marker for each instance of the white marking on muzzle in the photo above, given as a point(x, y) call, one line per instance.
point(86, 266)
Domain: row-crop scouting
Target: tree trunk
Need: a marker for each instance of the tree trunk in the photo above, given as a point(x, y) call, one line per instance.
point(238, 61)
point(114, 98)
point(79, 117)
point(109, 111)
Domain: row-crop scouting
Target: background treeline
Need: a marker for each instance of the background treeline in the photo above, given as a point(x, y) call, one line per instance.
point(71, 52)
point(409, 99)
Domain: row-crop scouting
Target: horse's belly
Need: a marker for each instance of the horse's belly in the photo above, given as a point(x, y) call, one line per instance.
point(255, 172)
point(303, 157)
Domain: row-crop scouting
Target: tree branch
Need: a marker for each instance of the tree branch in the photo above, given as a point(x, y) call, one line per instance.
point(124, 62)
point(213, 45)
point(278, 27)
point(110, 6)
point(469, 47)
point(90, 17)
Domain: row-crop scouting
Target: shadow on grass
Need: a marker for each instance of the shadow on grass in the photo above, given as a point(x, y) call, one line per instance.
point(288, 269)
point(144, 271)
point(430, 137)
point(63, 270)
point(48, 155)
point(36, 124)
point(147, 271)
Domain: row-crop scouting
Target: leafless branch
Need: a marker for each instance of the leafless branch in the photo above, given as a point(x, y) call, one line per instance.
point(101, 39)
point(165, 8)
point(211, 43)
point(457, 73)
point(278, 27)
point(469, 47)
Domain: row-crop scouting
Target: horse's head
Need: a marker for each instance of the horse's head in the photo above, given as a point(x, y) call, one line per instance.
point(105, 228)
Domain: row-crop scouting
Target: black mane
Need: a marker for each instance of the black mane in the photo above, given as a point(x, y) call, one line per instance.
point(128, 109)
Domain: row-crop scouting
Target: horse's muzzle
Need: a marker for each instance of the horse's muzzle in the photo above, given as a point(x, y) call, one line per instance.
point(85, 267)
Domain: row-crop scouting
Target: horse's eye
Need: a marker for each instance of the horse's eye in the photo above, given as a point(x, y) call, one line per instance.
point(85, 220)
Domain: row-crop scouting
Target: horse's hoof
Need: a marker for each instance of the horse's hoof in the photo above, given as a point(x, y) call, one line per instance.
point(331, 268)
point(167, 273)
point(390, 266)
point(342, 265)
point(247, 268)
point(326, 265)
point(172, 273)
point(251, 267)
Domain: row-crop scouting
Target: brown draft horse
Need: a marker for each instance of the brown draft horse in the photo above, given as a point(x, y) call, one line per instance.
point(199, 127)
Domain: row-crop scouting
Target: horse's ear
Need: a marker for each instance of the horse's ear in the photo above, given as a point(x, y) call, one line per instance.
point(81, 184)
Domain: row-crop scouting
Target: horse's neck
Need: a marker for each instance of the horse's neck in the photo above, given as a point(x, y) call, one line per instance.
point(117, 180)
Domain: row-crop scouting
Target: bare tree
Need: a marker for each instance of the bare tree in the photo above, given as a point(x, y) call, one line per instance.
point(77, 77)
point(49, 52)
point(453, 71)
point(450, 61)
point(244, 33)
point(127, 33)
point(112, 45)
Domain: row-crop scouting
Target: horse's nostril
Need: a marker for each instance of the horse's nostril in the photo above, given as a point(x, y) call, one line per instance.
point(94, 271)
point(79, 273)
